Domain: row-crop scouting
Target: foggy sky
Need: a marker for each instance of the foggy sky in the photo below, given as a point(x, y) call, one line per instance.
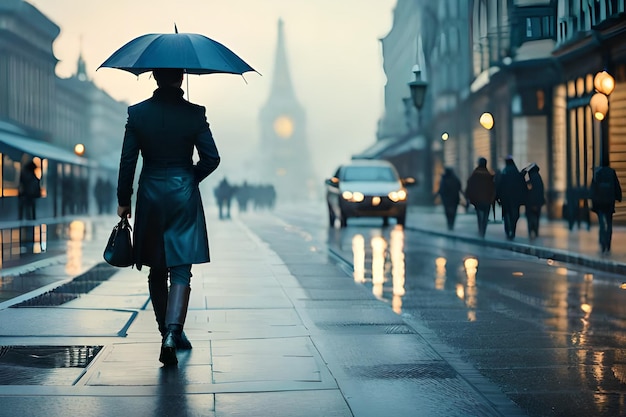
point(332, 45)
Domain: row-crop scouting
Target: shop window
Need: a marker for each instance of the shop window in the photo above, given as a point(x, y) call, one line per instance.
point(10, 176)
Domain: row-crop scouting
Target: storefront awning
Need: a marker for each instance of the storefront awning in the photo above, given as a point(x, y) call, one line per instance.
point(386, 148)
point(12, 143)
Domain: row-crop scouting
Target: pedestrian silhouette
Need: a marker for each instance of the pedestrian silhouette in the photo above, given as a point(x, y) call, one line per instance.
point(242, 195)
point(480, 192)
point(535, 199)
point(224, 194)
point(605, 191)
point(170, 231)
point(29, 190)
point(450, 194)
point(511, 193)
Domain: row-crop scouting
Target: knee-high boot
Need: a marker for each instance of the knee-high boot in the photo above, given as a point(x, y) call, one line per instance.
point(177, 304)
point(159, 296)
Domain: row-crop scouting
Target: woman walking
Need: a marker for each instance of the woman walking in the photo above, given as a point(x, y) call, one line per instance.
point(170, 230)
point(535, 201)
point(480, 192)
point(511, 192)
point(449, 192)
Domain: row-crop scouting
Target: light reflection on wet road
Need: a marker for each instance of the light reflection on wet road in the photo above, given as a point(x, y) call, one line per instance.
point(551, 335)
point(41, 243)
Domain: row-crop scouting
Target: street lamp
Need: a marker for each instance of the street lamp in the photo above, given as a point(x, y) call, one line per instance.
point(486, 120)
point(418, 88)
point(599, 104)
point(604, 84)
point(418, 95)
point(79, 149)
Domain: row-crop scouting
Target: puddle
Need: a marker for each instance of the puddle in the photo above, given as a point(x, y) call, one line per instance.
point(44, 365)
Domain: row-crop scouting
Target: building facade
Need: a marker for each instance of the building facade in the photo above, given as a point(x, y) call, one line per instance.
point(27, 78)
point(591, 37)
point(43, 118)
point(530, 64)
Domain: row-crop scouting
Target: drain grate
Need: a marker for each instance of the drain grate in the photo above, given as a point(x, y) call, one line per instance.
point(376, 328)
point(431, 370)
point(72, 290)
point(43, 365)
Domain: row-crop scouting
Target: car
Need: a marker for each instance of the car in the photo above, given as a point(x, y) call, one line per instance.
point(367, 188)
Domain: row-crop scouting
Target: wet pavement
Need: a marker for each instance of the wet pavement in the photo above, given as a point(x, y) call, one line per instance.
point(278, 330)
point(278, 327)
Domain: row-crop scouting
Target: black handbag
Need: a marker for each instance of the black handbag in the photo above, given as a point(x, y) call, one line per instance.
point(119, 249)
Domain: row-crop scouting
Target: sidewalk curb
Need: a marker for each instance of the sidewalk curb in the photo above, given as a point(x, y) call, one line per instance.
point(605, 265)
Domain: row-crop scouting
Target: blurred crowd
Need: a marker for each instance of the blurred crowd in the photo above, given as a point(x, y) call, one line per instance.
point(512, 188)
point(247, 196)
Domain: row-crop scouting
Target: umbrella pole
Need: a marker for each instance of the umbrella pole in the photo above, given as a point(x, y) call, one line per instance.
point(187, 77)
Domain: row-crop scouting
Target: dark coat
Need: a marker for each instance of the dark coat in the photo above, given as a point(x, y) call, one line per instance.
point(480, 187)
point(615, 193)
point(511, 187)
point(449, 189)
point(170, 227)
point(536, 193)
point(29, 187)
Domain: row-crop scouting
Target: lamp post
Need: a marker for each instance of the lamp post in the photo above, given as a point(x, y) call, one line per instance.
point(418, 88)
point(604, 84)
point(486, 121)
point(418, 95)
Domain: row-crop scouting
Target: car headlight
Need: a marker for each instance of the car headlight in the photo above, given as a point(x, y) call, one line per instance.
point(396, 196)
point(355, 197)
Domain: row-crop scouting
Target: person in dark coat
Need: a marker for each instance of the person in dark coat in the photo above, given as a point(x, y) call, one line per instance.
point(511, 192)
point(605, 191)
point(535, 199)
point(170, 231)
point(224, 195)
point(449, 192)
point(480, 192)
point(29, 191)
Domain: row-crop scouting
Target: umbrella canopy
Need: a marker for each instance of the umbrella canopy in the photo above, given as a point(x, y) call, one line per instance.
point(194, 53)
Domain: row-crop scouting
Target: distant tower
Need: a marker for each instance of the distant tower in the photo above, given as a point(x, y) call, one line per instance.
point(81, 66)
point(284, 155)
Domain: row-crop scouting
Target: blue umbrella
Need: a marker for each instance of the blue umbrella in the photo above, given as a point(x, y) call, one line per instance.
point(194, 53)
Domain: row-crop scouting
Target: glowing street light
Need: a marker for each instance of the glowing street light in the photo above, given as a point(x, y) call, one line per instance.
point(486, 120)
point(604, 83)
point(599, 104)
point(79, 149)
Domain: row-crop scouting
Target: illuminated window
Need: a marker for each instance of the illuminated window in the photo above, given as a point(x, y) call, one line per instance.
point(10, 176)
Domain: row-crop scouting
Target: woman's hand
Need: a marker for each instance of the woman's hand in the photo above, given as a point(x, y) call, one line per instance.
point(124, 211)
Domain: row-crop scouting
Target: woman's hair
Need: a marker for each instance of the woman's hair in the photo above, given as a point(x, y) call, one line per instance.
point(167, 76)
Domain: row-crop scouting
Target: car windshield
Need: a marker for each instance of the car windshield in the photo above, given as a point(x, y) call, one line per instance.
point(369, 174)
